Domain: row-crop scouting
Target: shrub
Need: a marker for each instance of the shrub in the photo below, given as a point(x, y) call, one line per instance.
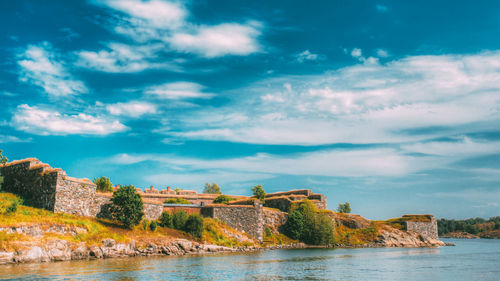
point(259, 192)
point(223, 199)
point(179, 219)
point(194, 225)
point(177, 201)
point(268, 232)
point(103, 184)
point(145, 224)
point(12, 207)
point(344, 208)
point(212, 188)
point(127, 206)
point(294, 225)
point(153, 225)
point(306, 224)
point(165, 220)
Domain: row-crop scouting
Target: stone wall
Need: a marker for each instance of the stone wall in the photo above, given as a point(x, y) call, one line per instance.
point(32, 180)
point(427, 229)
point(274, 218)
point(74, 196)
point(152, 211)
point(247, 219)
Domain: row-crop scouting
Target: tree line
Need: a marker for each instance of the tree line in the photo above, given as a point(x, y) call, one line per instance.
point(472, 225)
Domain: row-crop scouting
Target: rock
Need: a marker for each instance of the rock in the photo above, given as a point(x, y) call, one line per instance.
point(185, 245)
point(35, 254)
point(80, 253)
point(6, 257)
point(58, 250)
point(108, 242)
point(95, 252)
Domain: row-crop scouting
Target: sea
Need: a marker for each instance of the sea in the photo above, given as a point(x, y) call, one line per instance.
point(470, 259)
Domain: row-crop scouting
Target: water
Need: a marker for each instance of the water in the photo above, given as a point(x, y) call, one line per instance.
point(469, 260)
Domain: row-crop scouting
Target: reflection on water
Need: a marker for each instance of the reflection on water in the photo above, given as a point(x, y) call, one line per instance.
point(469, 260)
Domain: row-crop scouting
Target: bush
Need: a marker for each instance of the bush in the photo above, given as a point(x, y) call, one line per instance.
point(259, 192)
point(145, 224)
point(194, 225)
point(344, 208)
point(307, 225)
point(177, 201)
point(12, 207)
point(165, 220)
point(179, 219)
point(103, 184)
point(294, 225)
point(153, 225)
point(223, 199)
point(268, 232)
point(127, 206)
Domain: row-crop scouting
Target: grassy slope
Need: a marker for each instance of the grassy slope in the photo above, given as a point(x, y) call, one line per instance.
point(97, 229)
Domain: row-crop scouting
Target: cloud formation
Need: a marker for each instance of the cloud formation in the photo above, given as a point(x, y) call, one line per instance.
point(40, 66)
point(178, 90)
point(35, 120)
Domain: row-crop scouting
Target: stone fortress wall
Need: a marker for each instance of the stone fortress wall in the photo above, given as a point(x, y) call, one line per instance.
point(425, 228)
point(45, 187)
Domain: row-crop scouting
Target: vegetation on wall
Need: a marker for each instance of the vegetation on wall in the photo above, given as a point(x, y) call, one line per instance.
point(344, 208)
point(127, 206)
point(177, 201)
point(308, 225)
point(223, 199)
point(212, 188)
point(259, 193)
point(103, 184)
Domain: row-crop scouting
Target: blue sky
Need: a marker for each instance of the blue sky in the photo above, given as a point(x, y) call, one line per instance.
point(393, 106)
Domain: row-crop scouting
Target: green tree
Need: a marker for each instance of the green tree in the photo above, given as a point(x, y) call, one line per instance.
point(127, 206)
point(294, 225)
point(179, 219)
point(212, 188)
point(344, 208)
point(308, 225)
point(194, 225)
point(103, 184)
point(223, 199)
point(165, 220)
point(259, 192)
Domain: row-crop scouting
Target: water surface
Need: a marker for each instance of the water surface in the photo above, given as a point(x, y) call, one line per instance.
point(469, 260)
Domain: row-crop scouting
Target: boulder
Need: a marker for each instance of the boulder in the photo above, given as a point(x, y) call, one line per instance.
point(58, 250)
point(6, 257)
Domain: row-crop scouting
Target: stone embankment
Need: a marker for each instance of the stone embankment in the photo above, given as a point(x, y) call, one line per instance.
point(62, 250)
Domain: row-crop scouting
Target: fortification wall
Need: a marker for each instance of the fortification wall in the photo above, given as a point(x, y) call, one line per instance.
point(74, 196)
point(152, 211)
point(428, 229)
point(248, 219)
point(28, 178)
point(274, 218)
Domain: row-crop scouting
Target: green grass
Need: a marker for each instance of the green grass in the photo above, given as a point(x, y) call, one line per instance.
point(177, 201)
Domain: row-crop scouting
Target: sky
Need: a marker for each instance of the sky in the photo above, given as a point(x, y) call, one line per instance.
point(393, 106)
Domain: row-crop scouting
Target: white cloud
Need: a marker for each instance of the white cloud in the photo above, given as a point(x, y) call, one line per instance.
point(382, 53)
point(307, 56)
point(131, 108)
point(157, 13)
point(178, 90)
point(46, 122)
point(5, 139)
point(122, 58)
point(364, 103)
point(40, 67)
point(218, 40)
point(356, 52)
